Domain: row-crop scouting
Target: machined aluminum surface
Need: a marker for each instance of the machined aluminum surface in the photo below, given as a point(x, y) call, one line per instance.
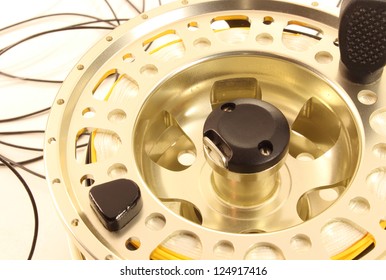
point(334, 171)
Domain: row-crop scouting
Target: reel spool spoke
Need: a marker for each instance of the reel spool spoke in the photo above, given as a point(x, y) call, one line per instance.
point(329, 169)
point(188, 191)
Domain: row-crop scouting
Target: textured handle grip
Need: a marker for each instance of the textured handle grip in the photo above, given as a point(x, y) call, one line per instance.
point(362, 39)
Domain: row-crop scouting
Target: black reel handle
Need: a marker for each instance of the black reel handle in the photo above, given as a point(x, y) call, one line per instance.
point(362, 39)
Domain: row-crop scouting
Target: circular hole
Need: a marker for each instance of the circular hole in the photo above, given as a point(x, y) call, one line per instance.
point(305, 157)
point(376, 181)
point(144, 16)
point(149, 70)
point(268, 20)
point(109, 38)
point(109, 258)
point(264, 252)
point(301, 243)
point(264, 39)
point(75, 222)
point(186, 158)
point(329, 194)
point(56, 181)
point(359, 205)
point(367, 97)
point(60, 102)
point(378, 121)
point(128, 58)
point(379, 150)
point(324, 57)
point(116, 115)
point(315, 4)
point(223, 249)
point(336, 42)
point(88, 113)
point(80, 67)
point(382, 223)
point(51, 140)
point(265, 147)
point(116, 171)
point(202, 43)
point(228, 107)
point(155, 221)
point(133, 243)
point(193, 26)
point(87, 180)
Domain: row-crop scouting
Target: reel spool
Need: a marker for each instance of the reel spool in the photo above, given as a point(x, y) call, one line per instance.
point(221, 130)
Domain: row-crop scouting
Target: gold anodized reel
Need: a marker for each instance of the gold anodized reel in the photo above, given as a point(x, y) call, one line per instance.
point(140, 97)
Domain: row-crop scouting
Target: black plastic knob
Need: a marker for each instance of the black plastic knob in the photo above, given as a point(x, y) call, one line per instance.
point(362, 39)
point(116, 203)
point(252, 135)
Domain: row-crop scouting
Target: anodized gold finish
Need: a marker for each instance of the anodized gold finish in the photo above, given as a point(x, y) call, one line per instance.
point(333, 171)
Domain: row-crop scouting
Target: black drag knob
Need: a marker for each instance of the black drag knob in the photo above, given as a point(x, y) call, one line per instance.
point(362, 39)
point(251, 135)
point(116, 202)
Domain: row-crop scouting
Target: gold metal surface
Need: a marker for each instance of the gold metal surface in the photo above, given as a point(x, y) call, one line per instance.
point(332, 154)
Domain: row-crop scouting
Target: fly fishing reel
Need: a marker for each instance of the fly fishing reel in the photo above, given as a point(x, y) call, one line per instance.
point(227, 130)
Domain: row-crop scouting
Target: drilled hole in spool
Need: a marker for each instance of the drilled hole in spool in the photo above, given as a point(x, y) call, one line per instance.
point(359, 205)
point(301, 243)
point(223, 249)
point(104, 85)
point(382, 223)
point(81, 146)
point(268, 20)
point(117, 171)
point(232, 29)
point(202, 43)
point(264, 251)
point(182, 245)
point(133, 243)
point(128, 58)
point(149, 70)
point(379, 150)
point(88, 113)
point(300, 36)
point(115, 87)
point(186, 158)
point(116, 116)
point(87, 180)
point(324, 57)
point(378, 121)
point(75, 222)
point(344, 240)
point(367, 97)
point(264, 39)
point(155, 221)
point(165, 46)
point(193, 26)
point(56, 181)
point(376, 181)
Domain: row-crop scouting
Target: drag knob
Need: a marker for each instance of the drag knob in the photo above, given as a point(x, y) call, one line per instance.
point(246, 136)
point(362, 39)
